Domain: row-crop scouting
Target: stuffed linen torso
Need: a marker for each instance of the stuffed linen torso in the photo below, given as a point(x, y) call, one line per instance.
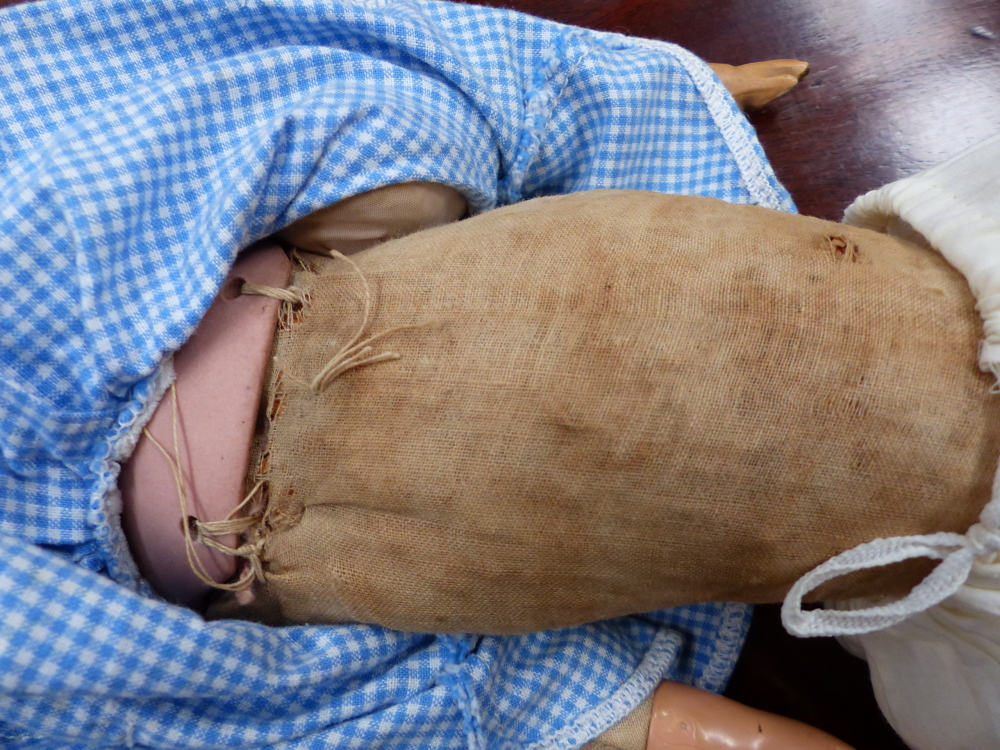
point(592, 405)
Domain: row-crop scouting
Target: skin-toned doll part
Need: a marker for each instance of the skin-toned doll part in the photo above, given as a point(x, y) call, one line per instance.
point(375, 216)
point(756, 84)
point(686, 718)
point(681, 717)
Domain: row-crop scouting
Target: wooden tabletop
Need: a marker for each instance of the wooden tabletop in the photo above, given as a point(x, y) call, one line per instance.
point(896, 86)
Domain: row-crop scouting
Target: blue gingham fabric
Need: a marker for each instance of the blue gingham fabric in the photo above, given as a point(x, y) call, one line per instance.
point(142, 145)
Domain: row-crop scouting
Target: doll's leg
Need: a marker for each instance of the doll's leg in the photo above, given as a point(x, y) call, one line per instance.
point(755, 84)
point(680, 716)
point(375, 216)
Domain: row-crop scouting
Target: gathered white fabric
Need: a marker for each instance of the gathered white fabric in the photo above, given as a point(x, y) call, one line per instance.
point(936, 675)
point(934, 655)
point(955, 207)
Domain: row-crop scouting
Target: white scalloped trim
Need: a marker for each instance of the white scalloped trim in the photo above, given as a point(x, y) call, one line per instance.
point(757, 174)
point(106, 499)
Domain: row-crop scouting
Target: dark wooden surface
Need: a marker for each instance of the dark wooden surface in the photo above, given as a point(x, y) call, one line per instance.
point(896, 86)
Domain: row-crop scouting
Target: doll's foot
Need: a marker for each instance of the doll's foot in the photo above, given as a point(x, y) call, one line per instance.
point(755, 84)
point(687, 718)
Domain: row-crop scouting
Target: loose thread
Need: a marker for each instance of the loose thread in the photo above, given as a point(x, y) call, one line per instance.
point(292, 298)
point(292, 295)
point(201, 532)
point(352, 354)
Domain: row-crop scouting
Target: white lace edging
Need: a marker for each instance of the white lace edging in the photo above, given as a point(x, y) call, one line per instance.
point(955, 207)
point(653, 668)
point(106, 503)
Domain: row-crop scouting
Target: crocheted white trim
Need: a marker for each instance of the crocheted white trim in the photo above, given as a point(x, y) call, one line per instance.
point(758, 177)
point(728, 643)
point(107, 498)
point(955, 207)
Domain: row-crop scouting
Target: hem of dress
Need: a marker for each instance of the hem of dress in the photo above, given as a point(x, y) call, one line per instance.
point(654, 667)
point(727, 646)
point(106, 497)
point(758, 176)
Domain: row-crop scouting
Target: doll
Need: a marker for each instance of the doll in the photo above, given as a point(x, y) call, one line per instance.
point(847, 268)
point(159, 140)
point(907, 279)
point(831, 257)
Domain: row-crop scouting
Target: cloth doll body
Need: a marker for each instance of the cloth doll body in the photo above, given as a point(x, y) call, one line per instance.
point(700, 710)
point(796, 436)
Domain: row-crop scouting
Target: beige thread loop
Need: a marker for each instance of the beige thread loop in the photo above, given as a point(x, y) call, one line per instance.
point(292, 295)
point(351, 354)
point(202, 532)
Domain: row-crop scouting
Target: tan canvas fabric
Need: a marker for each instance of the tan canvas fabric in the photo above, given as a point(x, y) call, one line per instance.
point(616, 401)
point(630, 733)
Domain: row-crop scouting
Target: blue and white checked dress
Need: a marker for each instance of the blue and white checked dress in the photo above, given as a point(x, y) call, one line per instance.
point(142, 144)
